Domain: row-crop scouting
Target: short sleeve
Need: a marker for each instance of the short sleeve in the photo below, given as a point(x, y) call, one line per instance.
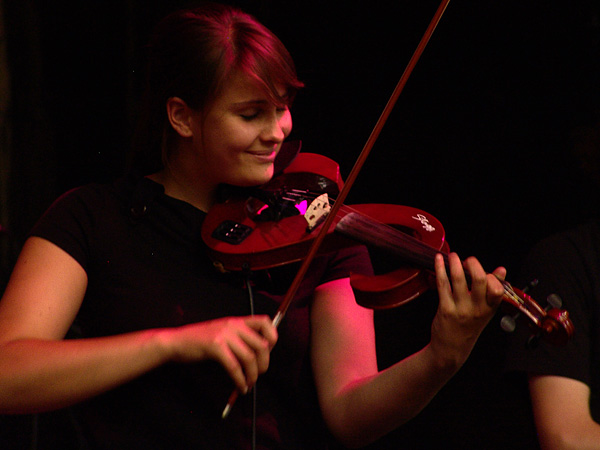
point(69, 222)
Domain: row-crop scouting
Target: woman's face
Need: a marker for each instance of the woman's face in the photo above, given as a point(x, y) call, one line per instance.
point(238, 136)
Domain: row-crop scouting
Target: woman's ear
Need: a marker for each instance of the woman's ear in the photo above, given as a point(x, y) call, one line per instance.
point(180, 115)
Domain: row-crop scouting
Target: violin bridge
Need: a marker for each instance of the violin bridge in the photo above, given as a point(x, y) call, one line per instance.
point(317, 212)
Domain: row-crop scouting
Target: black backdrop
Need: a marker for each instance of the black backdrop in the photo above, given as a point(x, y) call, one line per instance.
point(482, 137)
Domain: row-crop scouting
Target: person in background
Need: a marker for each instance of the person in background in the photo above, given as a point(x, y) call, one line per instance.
point(564, 381)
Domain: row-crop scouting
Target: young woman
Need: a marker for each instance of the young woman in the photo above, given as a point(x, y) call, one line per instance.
point(115, 310)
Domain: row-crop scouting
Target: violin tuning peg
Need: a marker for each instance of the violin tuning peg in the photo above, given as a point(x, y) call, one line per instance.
point(554, 301)
point(533, 341)
point(530, 285)
point(508, 323)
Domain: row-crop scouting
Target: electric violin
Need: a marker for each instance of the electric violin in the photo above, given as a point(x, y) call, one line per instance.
point(277, 223)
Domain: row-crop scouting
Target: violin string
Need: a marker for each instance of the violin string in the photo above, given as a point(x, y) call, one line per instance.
point(390, 238)
point(389, 234)
point(509, 292)
point(387, 237)
point(400, 242)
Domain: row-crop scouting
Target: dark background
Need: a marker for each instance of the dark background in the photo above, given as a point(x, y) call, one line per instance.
point(486, 136)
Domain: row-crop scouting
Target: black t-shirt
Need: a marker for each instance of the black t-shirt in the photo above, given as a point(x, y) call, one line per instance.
point(147, 267)
point(568, 265)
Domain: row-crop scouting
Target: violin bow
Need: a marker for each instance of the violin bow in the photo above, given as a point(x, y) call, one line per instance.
point(362, 157)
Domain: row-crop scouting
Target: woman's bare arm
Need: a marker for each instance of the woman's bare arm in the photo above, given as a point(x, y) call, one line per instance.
point(41, 371)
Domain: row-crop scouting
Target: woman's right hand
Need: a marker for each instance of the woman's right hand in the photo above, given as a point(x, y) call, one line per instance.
point(242, 345)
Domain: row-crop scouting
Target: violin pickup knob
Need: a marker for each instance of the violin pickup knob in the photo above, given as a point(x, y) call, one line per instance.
point(231, 232)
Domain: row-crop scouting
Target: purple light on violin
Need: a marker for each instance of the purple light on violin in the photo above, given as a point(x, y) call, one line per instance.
point(302, 207)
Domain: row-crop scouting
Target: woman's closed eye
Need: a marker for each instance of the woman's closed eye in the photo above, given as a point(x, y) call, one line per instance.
point(258, 112)
point(251, 114)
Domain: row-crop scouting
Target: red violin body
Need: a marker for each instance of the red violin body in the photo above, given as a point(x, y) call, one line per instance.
point(287, 240)
point(276, 225)
point(238, 239)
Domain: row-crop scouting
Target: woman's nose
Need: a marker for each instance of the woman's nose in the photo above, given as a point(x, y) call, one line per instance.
point(278, 128)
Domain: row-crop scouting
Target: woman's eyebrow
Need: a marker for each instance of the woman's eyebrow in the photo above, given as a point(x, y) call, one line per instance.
point(251, 102)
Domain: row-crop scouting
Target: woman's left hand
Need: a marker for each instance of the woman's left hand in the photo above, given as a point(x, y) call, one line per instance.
point(464, 308)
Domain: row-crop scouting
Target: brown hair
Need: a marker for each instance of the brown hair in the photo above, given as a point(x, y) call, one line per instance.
point(190, 55)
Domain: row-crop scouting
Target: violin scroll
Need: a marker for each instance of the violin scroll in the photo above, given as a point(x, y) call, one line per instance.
point(551, 324)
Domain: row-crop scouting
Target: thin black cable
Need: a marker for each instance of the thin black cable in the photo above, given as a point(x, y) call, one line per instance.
point(251, 302)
